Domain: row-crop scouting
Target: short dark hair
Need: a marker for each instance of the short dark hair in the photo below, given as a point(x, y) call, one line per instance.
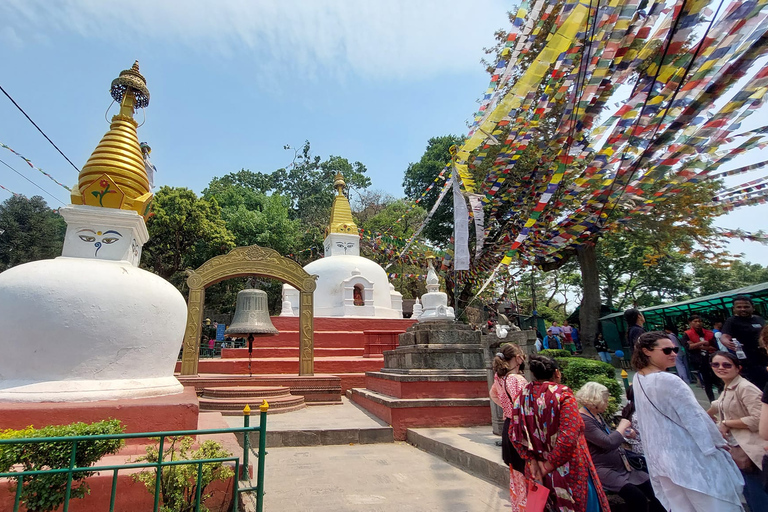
point(631, 315)
point(743, 298)
point(542, 368)
point(694, 317)
point(646, 340)
point(731, 357)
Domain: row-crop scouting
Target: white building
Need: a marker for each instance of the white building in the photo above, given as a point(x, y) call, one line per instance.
point(348, 285)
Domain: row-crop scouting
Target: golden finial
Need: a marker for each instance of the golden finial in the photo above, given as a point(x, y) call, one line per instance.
point(247, 410)
point(264, 407)
point(341, 212)
point(115, 176)
point(338, 183)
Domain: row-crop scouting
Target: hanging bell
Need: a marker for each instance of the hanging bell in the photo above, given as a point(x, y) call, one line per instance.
point(251, 315)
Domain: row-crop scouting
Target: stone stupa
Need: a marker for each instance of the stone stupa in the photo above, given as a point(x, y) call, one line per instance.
point(90, 325)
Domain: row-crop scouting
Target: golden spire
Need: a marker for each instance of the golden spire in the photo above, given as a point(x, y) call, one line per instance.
point(341, 213)
point(114, 176)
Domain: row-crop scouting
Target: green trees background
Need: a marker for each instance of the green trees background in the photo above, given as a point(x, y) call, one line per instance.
point(649, 261)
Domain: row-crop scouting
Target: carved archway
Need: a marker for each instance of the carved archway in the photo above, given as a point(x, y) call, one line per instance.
point(242, 262)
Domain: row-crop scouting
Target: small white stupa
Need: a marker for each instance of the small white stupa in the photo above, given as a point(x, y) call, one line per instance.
point(434, 303)
point(90, 325)
point(348, 285)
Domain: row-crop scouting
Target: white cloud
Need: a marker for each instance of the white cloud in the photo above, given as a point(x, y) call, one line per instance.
point(385, 39)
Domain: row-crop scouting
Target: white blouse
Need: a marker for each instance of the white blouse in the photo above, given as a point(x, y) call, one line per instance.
point(680, 441)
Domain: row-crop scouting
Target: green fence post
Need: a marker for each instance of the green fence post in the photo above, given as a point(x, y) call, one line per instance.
point(264, 407)
point(625, 378)
point(246, 441)
point(114, 491)
point(159, 473)
point(19, 487)
point(198, 490)
point(69, 476)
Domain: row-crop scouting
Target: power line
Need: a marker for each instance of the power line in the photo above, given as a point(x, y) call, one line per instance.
point(32, 182)
point(39, 129)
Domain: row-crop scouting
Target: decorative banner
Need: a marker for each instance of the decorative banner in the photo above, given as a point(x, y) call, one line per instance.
point(11, 191)
point(29, 162)
point(476, 203)
point(460, 227)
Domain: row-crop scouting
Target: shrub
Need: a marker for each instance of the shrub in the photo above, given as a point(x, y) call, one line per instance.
point(577, 370)
point(178, 484)
point(44, 493)
point(555, 353)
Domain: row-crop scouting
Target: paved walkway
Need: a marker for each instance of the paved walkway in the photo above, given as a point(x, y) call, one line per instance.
point(374, 478)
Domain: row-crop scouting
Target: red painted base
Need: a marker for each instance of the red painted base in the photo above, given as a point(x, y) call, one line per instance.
point(427, 389)
point(172, 412)
point(404, 418)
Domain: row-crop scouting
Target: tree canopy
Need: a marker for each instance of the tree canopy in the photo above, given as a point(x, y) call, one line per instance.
point(30, 231)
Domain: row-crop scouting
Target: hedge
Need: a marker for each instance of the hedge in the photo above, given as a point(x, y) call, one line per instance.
point(46, 492)
point(555, 353)
point(577, 371)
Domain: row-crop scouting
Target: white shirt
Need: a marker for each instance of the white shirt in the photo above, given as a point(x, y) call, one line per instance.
point(681, 442)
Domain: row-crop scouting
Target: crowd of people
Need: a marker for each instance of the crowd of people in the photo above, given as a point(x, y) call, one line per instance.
point(665, 451)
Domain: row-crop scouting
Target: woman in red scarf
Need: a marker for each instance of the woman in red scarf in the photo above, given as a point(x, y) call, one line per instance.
point(548, 431)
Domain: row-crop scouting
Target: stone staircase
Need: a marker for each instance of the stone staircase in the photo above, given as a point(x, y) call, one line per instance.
point(231, 400)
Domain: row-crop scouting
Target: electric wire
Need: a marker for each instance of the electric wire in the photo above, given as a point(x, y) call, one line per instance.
point(32, 182)
point(38, 128)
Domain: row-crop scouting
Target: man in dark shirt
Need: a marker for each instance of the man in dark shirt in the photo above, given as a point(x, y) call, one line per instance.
point(635, 321)
point(745, 327)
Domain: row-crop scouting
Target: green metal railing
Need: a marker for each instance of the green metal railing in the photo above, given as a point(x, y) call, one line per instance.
point(241, 469)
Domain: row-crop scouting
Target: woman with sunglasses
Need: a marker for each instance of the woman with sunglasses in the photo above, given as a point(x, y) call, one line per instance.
point(688, 460)
point(738, 409)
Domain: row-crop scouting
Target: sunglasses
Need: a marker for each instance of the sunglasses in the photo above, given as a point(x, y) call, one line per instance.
point(669, 350)
point(724, 366)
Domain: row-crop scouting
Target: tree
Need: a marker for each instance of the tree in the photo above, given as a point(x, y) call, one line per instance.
point(384, 237)
point(710, 278)
point(31, 231)
point(184, 232)
point(419, 175)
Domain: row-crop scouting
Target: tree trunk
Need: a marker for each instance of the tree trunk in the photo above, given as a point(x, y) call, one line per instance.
point(589, 313)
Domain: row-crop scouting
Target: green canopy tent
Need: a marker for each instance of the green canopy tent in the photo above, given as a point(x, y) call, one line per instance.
point(711, 308)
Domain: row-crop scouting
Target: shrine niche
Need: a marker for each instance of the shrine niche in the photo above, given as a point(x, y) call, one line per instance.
point(243, 262)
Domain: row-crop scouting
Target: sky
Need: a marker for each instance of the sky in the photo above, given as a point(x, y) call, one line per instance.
point(233, 82)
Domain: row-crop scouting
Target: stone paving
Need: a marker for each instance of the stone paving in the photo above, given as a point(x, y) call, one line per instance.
point(377, 478)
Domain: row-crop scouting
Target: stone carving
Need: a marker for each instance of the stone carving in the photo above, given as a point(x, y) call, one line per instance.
point(240, 262)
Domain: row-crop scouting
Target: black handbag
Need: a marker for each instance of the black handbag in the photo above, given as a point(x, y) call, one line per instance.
point(765, 472)
point(636, 461)
point(508, 452)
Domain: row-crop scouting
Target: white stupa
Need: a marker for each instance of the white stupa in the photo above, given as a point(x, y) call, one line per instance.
point(348, 285)
point(90, 325)
point(434, 304)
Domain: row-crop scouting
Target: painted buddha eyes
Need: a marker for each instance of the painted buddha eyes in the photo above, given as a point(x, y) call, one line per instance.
point(91, 238)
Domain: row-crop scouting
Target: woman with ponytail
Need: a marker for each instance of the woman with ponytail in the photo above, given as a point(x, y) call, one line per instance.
point(507, 385)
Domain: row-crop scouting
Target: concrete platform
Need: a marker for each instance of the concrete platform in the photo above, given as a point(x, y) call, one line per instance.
point(317, 426)
point(473, 449)
point(378, 477)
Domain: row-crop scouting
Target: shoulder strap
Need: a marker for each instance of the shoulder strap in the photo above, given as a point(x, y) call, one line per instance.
point(639, 381)
point(507, 391)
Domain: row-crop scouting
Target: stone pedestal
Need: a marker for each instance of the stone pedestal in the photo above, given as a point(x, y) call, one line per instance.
point(491, 343)
point(435, 378)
